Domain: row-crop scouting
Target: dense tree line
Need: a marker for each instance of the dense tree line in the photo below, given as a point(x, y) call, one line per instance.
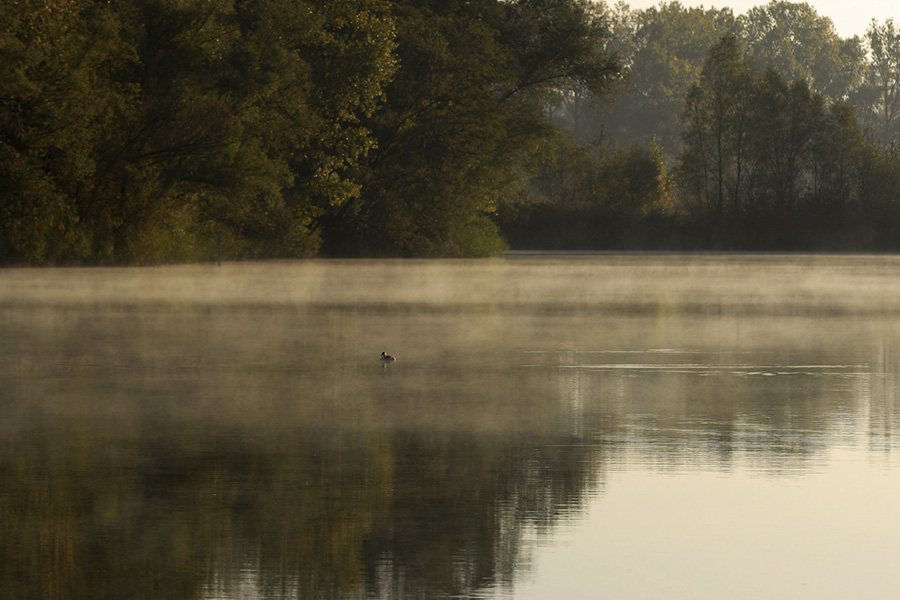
point(143, 130)
point(140, 130)
point(771, 156)
point(776, 133)
point(137, 129)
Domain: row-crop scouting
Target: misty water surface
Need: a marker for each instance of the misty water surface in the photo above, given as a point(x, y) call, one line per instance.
point(554, 427)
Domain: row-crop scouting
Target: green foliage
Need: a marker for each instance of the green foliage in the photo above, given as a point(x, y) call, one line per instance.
point(133, 131)
point(55, 61)
point(806, 164)
point(879, 195)
point(587, 199)
point(137, 131)
point(798, 43)
point(663, 48)
point(717, 114)
point(461, 120)
point(785, 120)
point(634, 182)
point(881, 93)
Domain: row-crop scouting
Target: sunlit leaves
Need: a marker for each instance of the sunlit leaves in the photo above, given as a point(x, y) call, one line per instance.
point(131, 127)
point(59, 63)
point(318, 70)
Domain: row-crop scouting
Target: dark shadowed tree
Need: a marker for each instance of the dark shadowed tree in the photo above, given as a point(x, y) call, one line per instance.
point(463, 117)
point(133, 131)
point(839, 151)
point(317, 70)
point(785, 120)
point(716, 116)
point(61, 66)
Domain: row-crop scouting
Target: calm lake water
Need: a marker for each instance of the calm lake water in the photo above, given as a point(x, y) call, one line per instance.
point(654, 427)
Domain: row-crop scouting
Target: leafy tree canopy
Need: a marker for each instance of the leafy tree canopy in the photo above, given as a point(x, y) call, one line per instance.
point(138, 130)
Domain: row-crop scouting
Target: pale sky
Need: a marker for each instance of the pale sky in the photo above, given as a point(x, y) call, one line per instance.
point(851, 17)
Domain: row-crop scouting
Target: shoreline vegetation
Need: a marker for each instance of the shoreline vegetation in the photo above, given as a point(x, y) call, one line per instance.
point(151, 131)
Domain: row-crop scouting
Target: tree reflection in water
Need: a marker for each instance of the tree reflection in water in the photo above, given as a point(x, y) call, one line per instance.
point(171, 509)
point(261, 450)
point(150, 472)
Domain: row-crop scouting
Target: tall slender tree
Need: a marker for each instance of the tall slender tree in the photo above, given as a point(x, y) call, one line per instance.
point(785, 120)
point(716, 118)
point(884, 77)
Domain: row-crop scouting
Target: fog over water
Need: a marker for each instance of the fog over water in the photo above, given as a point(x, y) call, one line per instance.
point(579, 426)
point(590, 280)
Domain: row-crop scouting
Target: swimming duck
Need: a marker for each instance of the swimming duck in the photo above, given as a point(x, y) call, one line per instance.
point(387, 358)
